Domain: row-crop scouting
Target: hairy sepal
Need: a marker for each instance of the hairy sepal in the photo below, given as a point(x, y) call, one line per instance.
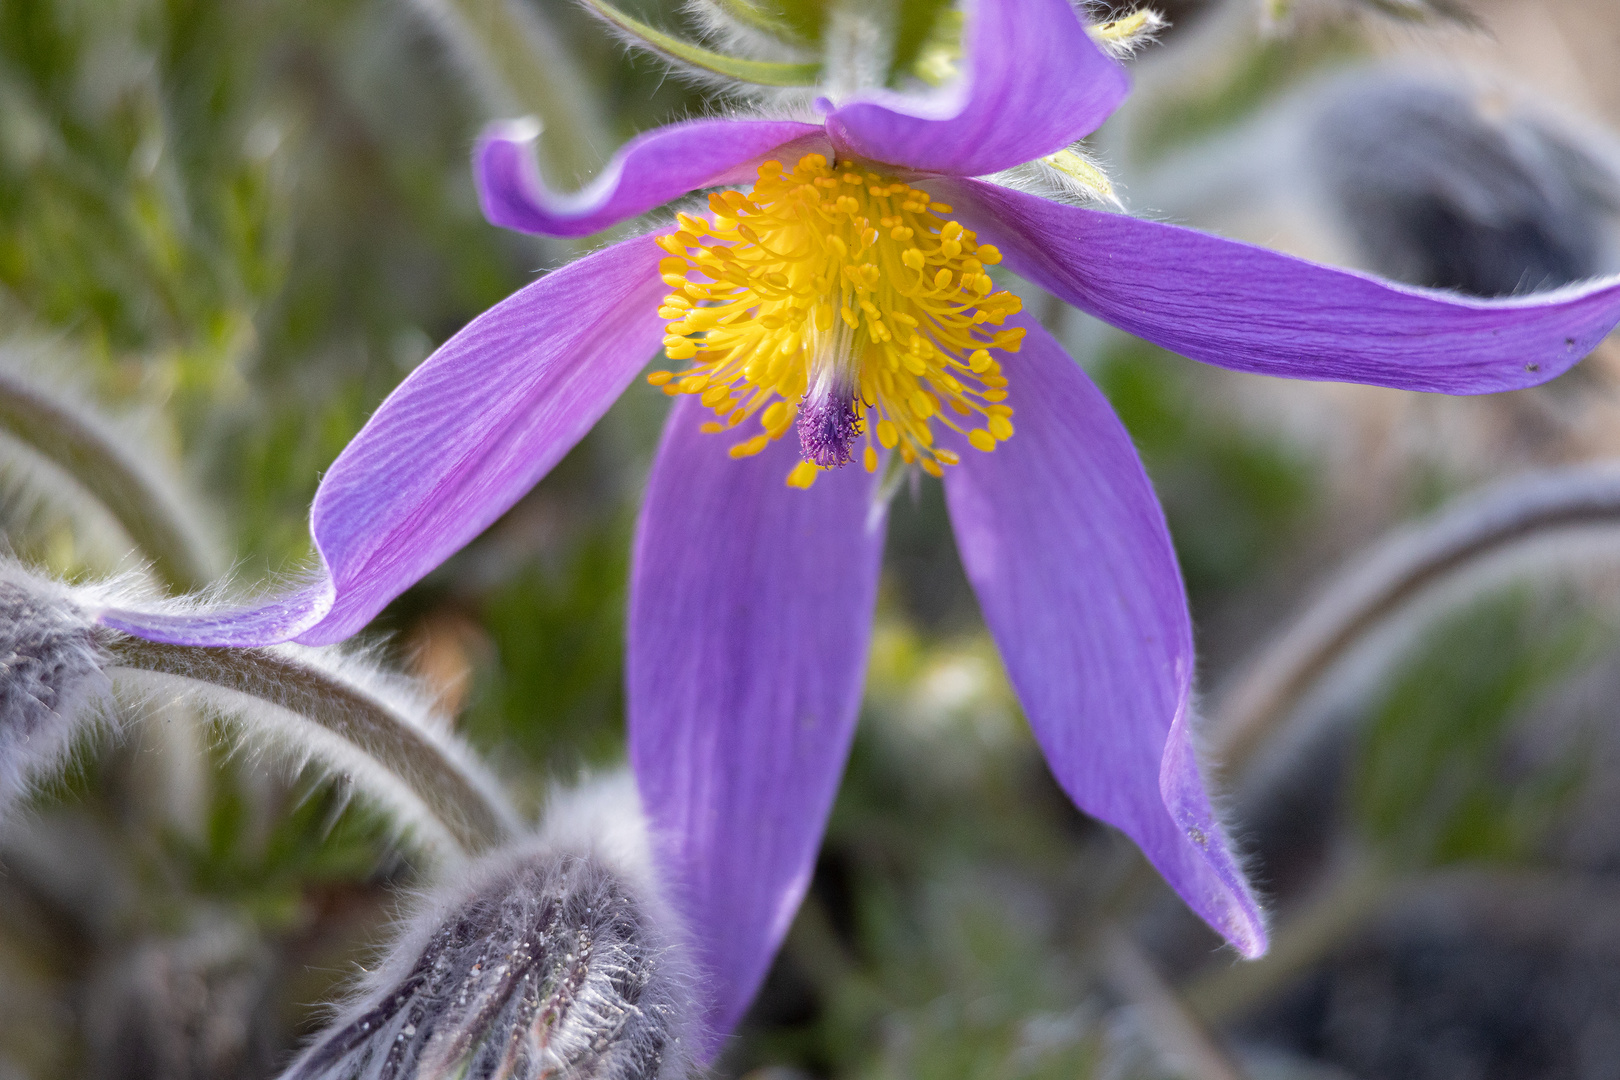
point(552, 957)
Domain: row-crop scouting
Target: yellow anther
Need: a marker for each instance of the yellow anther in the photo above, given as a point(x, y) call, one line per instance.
point(659, 378)
point(803, 475)
point(806, 272)
point(931, 467)
point(1001, 427)
point(777, 417)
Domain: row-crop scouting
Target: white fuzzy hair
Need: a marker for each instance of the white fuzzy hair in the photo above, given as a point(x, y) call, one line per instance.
point(554, 956)
point(393, 767)
point(52, 682)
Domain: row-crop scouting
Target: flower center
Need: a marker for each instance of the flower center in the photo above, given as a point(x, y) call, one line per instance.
point(839, 303)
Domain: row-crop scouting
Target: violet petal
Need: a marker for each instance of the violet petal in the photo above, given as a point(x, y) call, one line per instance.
point(479, 423)
point(277, 619)
point(750, 611)
point(1243, 307)
point(1033, 82)
point(648, 171)
point(1067, 549)
point(472, 429)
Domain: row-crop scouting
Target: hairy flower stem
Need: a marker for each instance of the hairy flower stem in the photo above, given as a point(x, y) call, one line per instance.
point(1391, 575)
point(745, 13)
point(464, 805)
point(86, 452)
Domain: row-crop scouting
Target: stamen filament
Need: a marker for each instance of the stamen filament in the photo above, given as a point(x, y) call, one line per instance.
point(839, 303)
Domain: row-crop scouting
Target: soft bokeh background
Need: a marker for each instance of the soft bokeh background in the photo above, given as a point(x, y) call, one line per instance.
point(237, 226)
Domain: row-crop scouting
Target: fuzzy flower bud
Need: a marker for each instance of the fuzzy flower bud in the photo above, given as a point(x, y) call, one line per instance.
point(51, 677)
point(546, 959)
point(1448, 187)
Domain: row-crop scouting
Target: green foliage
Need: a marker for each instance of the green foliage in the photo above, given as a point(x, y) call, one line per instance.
point(937, 939)
point(554, 688)
point(1247, 79)
point(1234, 499)
point(257, 219)
point(1436, 782)
point(318, 835)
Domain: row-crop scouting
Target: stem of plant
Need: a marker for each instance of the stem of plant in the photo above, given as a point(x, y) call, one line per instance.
point(463, 802)
point(1389, 577)
point(86, 453)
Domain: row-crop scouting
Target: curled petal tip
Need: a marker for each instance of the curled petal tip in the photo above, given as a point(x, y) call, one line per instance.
point(522, 129)
point(648, 171)
point(1033, 83)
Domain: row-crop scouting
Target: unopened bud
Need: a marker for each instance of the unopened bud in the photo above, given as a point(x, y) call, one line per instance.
point(51, 677)
point(1445, 187)
point(544, 963)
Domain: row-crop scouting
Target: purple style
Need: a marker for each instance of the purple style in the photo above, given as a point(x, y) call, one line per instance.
point(751, 601)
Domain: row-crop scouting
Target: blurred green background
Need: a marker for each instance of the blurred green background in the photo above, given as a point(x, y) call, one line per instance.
point(241, 224)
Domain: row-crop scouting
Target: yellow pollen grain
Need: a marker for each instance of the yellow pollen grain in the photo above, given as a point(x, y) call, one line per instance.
point(751, 447)
point(819, 257)
point(803, 475)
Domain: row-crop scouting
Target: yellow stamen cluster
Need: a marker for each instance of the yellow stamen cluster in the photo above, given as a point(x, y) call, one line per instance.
point(835, 265)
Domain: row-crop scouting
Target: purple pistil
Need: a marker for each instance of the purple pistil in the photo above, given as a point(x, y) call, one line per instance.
point(828, 425)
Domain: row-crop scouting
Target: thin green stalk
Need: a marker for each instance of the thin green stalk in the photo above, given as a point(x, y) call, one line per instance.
point(111, 474)
point(521, 66)
point(749, 15)
point(758, 72)
point(464, 803)
point(1393, 574)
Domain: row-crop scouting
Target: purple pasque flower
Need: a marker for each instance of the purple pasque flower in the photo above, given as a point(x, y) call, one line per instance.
point(845, 298)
